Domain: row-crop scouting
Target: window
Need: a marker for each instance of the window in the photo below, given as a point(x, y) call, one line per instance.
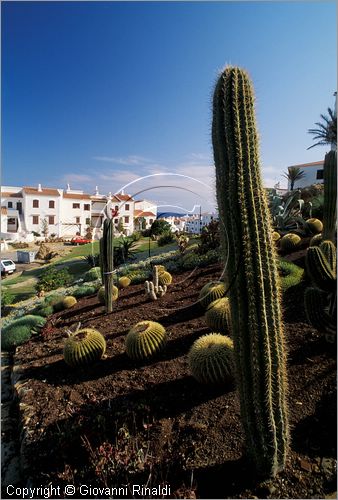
point(51, 219)
point(35, 203)
point(51, 204)
point(126, 219)
point(127, 206)
point(11, 221)
point(116, 207)
point(86, 206)
point(10, 204)
point(151, 221)
point(77, 220)
point(76, 205)
point(88, 221)
point(320, 174)
point(116, 221)
point(36, 217)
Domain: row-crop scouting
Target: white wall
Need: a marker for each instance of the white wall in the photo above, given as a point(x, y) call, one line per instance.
point(310, 177)
point(42, 212)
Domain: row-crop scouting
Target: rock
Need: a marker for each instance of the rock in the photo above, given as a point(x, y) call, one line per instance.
point(305, 465)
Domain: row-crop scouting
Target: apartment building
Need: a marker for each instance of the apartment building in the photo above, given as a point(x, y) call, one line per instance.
point(67, 211)
point(313, 174)
point(144, 215)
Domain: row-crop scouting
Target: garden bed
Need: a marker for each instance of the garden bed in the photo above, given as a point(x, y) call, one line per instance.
point(163, 426)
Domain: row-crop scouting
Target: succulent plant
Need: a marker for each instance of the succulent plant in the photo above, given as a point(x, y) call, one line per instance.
point(276, 236)
point(43, 310)
point(124, 282)
point(210, 292)
point(83, 347)
point(217, 315)
point(161, 269)
point(145, 339)
point(321, 301)
point(315, 226)
point(319, 269)
point(107, 264)
point(101, 294)
point(211, 359)
point(330, 195)
point(20, 330)
point(290, 274)
point(164, 278)
point(316, 240)
point(153, 289)
point(289, 242)
point(92, 275)
point(69, 302)
point(251, 273)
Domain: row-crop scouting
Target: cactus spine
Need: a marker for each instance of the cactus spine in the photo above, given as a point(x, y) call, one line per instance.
point(106, 262)
point(256, 321)
point(145, 339)
point(83, 347)
point(330, 195)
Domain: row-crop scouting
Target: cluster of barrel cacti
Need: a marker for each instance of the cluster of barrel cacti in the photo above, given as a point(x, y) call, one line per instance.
point(210, 292)
point(321, 298)
point(159, 285)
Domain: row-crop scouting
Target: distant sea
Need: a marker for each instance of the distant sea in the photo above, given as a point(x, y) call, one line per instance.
point(170, 214)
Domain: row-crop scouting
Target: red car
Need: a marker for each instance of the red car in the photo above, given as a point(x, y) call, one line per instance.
point(79, 240)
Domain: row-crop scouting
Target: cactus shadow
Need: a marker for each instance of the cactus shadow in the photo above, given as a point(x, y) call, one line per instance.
point(188, 313)
point(316, 434)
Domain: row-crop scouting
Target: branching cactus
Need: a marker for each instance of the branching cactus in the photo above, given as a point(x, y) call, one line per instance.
point(83, 347)
point(330, 195)
point(251, 274)
point(106, 262)
point(152, 288)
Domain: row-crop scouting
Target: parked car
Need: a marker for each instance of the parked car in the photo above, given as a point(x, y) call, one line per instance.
point(7, 267)
point(79, 240)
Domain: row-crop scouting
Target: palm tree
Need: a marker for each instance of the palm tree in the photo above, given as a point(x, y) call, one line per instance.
point(327, 131)
point(294, 174)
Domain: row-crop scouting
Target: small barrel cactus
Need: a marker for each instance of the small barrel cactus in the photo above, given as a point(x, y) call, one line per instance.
point(101, 294)
point(316, 240)
point(217, 316)
point(124, 282)
point(145, 339)
point(83, 347)
point(164, 278)
point(69, 302)
point(319, 269)
point(161, 269)
point(211, 359)
point(315, 226)
point(276, 236)
point(210, 292)
point(289, 242)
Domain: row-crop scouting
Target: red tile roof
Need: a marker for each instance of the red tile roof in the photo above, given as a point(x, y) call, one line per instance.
point(140, 213)
point(124, 197)
point(11, 195)
point(312, 164)
point(43, 192)
point(76, 196)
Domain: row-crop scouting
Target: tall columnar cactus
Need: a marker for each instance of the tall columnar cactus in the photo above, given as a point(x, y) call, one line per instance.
point(321, 300)
point(330, 195)
point(106, 262)
point(255, 297)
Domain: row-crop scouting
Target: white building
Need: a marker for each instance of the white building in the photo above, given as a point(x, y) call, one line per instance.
point(313, 174)
point(195, 223)
point(144, 214)
point(68, 212)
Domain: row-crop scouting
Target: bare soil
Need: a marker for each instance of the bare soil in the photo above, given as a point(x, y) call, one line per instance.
point(122, 423)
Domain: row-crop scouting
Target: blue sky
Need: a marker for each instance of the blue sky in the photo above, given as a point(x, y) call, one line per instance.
point(101, 93)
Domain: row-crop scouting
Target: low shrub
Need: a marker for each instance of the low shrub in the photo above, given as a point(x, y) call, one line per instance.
point(43, 310)
point(93, 259)
point(84, 291)
point(53, 278)
point(290, 274)
point(137, 277)
point(6, 297)
point(53, 299)
point(20, 330)
point(165, 239)
point(19, 245)
point(92, 275)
